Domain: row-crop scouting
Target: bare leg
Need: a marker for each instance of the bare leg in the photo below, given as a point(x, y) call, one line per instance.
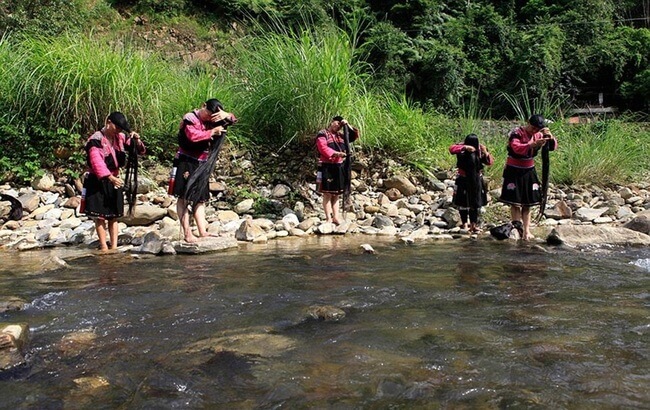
point(201, 222)
point(112, 231)
point(100, 227)
point(184, 216)
point(525, 213)
point(336, 217)
point(327, 206)
point(515, 213)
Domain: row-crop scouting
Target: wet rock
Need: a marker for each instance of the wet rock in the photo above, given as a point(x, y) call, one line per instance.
point(73, 344)
point(205, 245)
point(13, 342)
point(248, 231)
point(587, 235)
point(325, 313)
point(91, 383)
point(11, 304)
point(251, 342)
point(367, 248)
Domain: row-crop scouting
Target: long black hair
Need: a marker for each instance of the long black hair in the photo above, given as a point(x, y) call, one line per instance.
point(199, 180)
point(131, 169)
point(470, 162)
point(546, 172)
point(120, 121)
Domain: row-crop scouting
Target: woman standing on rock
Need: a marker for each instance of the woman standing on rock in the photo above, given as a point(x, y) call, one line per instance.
point(333, 144)
point(200, 134)
point(469, 191)
point(103, 196)
point(521, 187)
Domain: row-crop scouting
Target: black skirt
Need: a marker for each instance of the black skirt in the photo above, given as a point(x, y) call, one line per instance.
point(465, 198)
point(521, 187)
point(185, 166)
point(330, 178)
point(102, 198)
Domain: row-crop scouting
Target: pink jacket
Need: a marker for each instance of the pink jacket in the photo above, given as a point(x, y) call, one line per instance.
point(104, 158)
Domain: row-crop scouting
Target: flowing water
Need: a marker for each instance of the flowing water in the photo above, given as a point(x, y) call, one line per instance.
point(468, 324)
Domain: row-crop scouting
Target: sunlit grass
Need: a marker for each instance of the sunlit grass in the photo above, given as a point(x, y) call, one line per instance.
point(284, 87)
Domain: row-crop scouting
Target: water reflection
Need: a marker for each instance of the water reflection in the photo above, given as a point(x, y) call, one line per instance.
point(467, 324)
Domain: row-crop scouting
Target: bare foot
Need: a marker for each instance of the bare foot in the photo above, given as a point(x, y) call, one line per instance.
point(209, 235)
point(528, 237)
point(191, 239)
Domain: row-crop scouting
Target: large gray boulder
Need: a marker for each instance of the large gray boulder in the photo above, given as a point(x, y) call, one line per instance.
point(205, 245)
point(144, 215)
point(640, 223)
point(594, 235)
point(402, 184)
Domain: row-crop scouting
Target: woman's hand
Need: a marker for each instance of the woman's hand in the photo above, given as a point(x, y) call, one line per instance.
point(220, 115)
point(339, 155)
point(117, 183)
point(539, 143)
point(216, 131)
point(468, 148)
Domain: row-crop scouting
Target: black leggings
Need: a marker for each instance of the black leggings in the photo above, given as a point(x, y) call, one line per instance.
point(472, 213)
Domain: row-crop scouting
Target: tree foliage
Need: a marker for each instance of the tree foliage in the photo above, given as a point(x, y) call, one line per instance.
point(437, 52)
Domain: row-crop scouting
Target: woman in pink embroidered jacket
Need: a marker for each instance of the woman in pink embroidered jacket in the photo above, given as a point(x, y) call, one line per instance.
point(103, 196)
point(198, 132)
point(331, 176)
point(521, 187)
point(469, 190)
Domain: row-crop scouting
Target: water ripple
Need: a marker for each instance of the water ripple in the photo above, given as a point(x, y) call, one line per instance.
point(642, 263)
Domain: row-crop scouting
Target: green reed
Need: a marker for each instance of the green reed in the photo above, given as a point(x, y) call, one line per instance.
point(75, 81)
point(284, 87)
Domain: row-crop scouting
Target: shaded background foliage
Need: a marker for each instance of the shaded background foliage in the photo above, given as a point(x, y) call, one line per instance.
point(413, 74)
point(435, 51)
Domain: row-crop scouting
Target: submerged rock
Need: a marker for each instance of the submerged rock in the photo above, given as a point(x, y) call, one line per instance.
point(245, 342)
point(11, 303)
point(13, 342)
point(210, 244)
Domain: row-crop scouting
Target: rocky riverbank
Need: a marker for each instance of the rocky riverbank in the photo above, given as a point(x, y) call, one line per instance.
point(254, 207)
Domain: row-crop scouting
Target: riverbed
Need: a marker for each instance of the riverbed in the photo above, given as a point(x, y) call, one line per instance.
point(469, 323)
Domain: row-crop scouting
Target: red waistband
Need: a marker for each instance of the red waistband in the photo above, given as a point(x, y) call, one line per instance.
point(520, 163)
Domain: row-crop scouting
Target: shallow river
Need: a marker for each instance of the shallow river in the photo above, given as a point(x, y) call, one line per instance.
point(467, 324)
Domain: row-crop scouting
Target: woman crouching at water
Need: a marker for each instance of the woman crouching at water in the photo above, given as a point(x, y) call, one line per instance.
point(104, 190)
point(469, 190)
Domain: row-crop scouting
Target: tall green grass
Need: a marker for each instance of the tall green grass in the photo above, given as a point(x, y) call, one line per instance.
point(74, 82)
point(605, 152)
point(294, 82)
point(284, 87)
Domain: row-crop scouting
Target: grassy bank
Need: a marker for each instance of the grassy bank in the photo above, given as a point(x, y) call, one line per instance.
point(283, 87)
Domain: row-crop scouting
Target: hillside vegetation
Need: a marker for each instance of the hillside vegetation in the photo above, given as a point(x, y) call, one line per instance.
point(415, 76)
